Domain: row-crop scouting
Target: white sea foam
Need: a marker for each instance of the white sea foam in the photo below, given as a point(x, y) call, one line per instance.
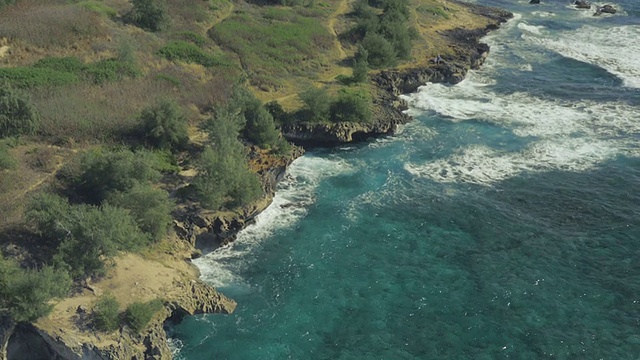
point(615, 49)
point(543, 14)
point(294, 196)
point(572, 136)
point(531, 28)
point(482, 165)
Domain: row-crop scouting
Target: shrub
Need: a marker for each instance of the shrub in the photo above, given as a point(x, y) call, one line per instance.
point(380, 50)
point(151, 208)
point(259, 128)
point(317, 102)
point(70, 64)
point(98, 7)
point(111, 70)
point(164, 126)
point(191, 53)
point(85, 235)
point(106, 313)
point(6, 160)
point(26, 293)
point(361, 66)
point(352, 107)
point(17, 114)
point(100, 174)
point(149, 14)
point(192, 37)
point(138, 314)
point(223, 176)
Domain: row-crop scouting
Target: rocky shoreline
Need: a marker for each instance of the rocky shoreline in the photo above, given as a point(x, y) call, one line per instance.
point(205, 230)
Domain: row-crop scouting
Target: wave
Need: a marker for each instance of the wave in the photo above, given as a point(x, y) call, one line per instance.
point(294, 195)
point(571, 136)
point(614, 49)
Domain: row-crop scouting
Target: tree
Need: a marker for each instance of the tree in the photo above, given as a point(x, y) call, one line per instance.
point(361, 66)
point(164, 126)
point(17, 114)
point(223, 175)
point(380, 50)
point(26, 293)
point(106, 313)
point(317, 102)
point(85, 235)
point(151, 208)
point(138, 314)
point(259, 126)
point(149, 14)
point(101, 174)
point(351, 107)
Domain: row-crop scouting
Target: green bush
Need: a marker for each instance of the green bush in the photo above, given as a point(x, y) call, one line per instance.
point(27, 77)
point(351, 107)
point(98, 7)
point(138, 314)
point(17, 114)
point(100, 174)
point(380, 50)
point(164, 126)
point(70, 64)
point(259, 128)
point(149, 14)
point(85, 235)
point(223, 176)
point(26, 293)
point(106, 313)
point(188, 52)
point(317, 102)
point(361, 66)
point(111, 70)
point(151, 208)
point(192, 37)
point(6, 160)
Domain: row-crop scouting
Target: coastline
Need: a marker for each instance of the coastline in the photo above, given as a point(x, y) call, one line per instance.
point(201, 231)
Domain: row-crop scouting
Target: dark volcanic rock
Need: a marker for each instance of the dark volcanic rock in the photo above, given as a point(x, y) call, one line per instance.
point(608, 9)
point(582, 4)
point(534, 2)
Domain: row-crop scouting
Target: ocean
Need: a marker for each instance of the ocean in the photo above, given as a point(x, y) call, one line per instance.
point(502, 223)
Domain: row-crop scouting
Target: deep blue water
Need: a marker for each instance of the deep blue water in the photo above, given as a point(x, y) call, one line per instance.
point(504, 222)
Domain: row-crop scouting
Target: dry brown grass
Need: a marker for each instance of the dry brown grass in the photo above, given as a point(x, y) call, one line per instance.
point(50, 25)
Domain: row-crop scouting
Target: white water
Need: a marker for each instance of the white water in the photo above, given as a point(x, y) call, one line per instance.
point(293, 197)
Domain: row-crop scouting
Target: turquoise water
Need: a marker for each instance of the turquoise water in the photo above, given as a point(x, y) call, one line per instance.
point(504, 222)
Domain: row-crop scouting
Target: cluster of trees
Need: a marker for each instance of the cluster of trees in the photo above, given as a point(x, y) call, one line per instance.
point(107, 316)
point(149, 14)
point(25, 294)
point(18, 116)
point(383, 38)
point(352, 105)
point(115, 208)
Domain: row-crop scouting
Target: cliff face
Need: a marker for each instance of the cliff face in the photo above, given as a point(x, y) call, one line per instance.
point(67, 332)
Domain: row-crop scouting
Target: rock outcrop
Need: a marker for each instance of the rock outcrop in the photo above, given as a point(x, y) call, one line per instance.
point(387, 108)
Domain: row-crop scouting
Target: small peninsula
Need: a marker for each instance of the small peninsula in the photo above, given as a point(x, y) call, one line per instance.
point(136, 135)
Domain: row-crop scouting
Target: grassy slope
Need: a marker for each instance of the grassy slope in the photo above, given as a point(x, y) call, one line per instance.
point(281, 50)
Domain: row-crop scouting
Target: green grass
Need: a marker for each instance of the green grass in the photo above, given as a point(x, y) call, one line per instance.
point(98, 7)
point(28, 77)
point(53, 71)
point(6, 160)
point(191, 37)
point(278, 44)
point(435, 10)
point(190, 53)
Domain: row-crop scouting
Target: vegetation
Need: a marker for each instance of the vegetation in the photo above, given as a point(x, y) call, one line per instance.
point(138, 314)
point(100, 174)
point(6, 160)
point(317, 102)
point(351, 105)
point(223, 176)
point(149, 14)
point(106, 313)
point(190, 53)
point(25, 294)
point(84, 236)
point(164, 126)
point(386, 36)
point(17, 115)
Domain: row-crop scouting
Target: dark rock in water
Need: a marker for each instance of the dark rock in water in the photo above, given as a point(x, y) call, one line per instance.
point(582, 4)
point(607, 9)
point(534, 2)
